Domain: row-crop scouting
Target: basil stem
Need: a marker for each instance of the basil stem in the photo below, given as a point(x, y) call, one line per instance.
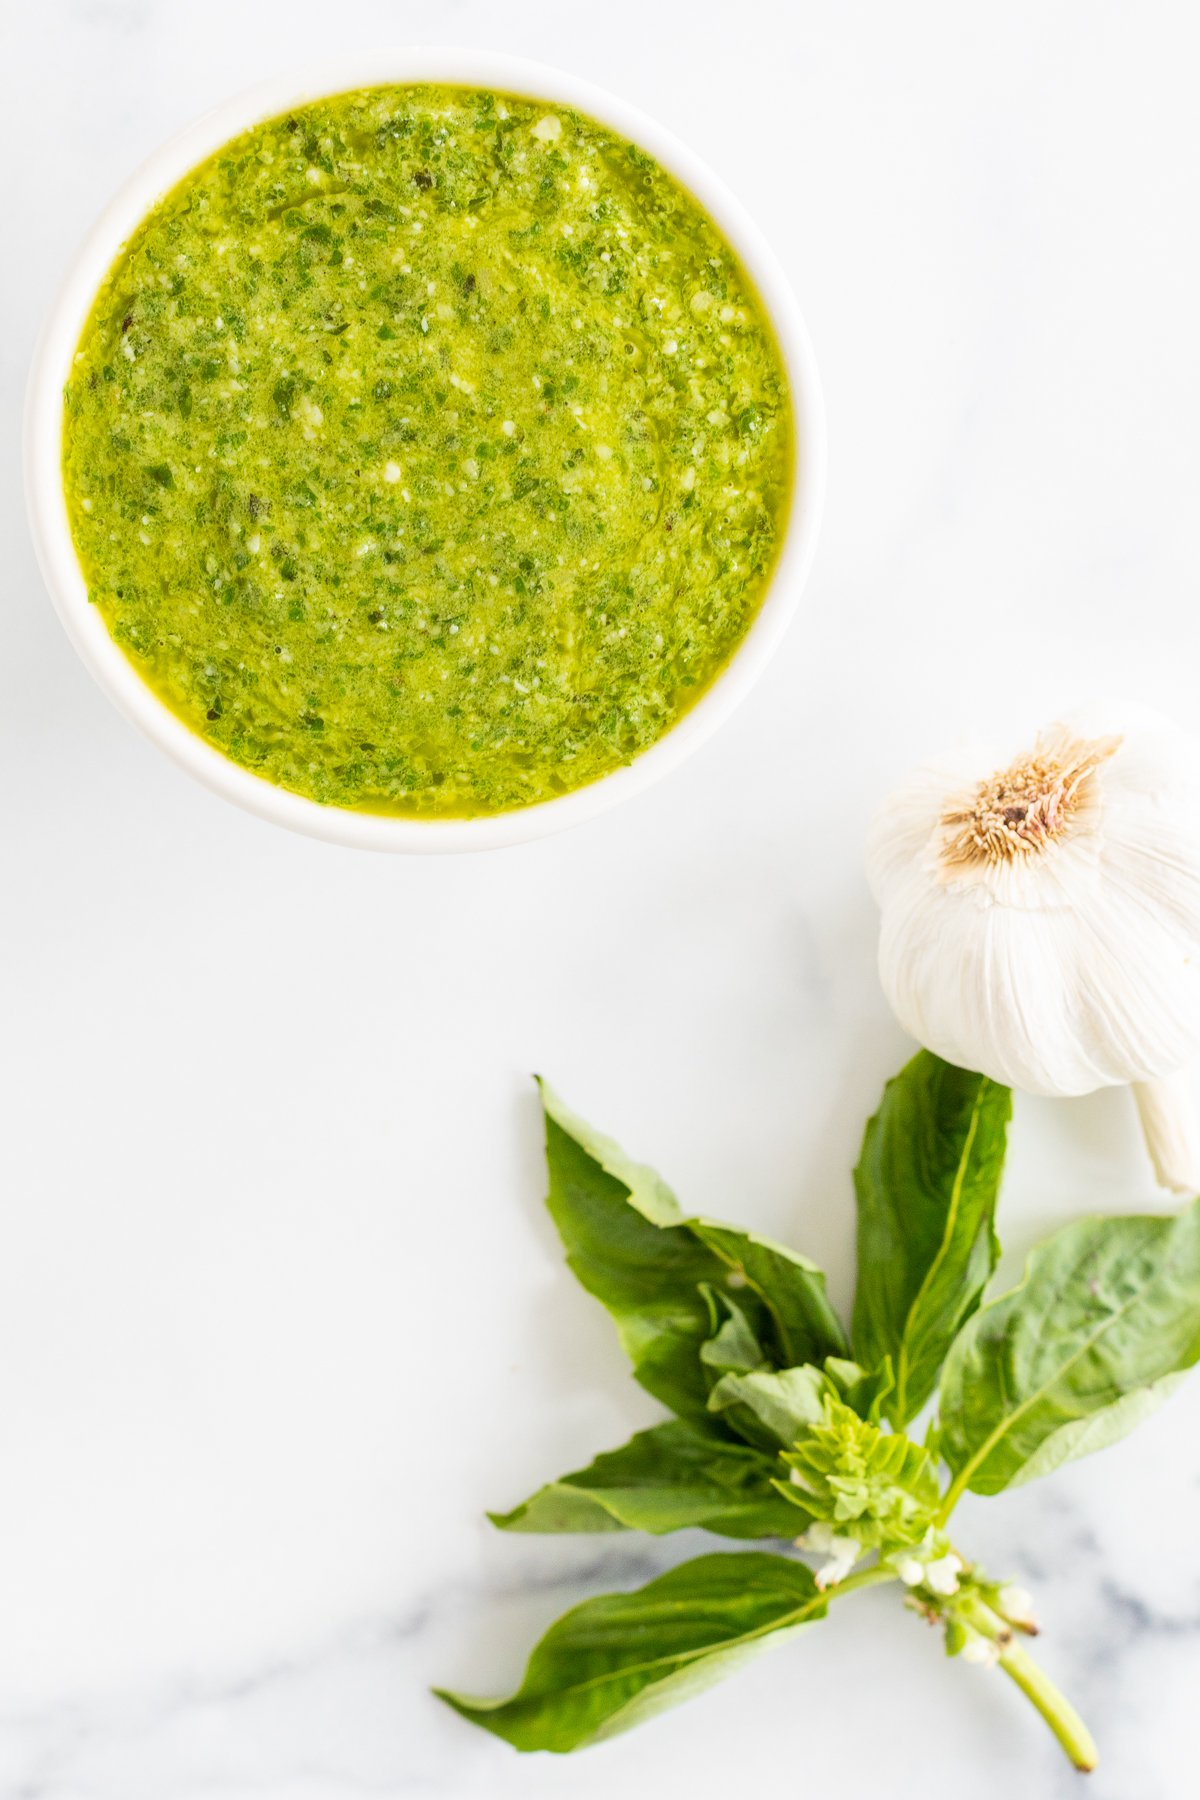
point(1035, 1684)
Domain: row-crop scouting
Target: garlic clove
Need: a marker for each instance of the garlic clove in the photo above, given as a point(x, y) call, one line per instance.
point(1171, 1129)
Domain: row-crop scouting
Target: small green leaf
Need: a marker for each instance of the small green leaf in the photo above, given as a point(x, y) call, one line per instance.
point(621, 1658)
point(733, 1346)
point(864, 1392)
point(926, 1186)
point(781, 1403)
point(628, 1244)
point(773, 1407)
point(1101, 1328)
point(673, 1477)
point(799, 1325)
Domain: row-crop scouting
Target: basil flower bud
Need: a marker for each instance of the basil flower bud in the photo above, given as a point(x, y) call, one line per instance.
point(840, 1553)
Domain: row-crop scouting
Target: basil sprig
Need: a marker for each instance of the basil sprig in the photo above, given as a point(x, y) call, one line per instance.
point(781, 1429)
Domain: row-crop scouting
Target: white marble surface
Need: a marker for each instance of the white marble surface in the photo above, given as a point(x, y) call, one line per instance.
point(280, 1312)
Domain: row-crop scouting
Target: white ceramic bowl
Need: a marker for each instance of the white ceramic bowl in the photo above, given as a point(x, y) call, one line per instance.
point(47, 504)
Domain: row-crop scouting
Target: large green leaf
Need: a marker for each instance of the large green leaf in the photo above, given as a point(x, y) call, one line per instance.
point(926, 1185)
point(674, 1476)
point(656, 1271)
point(1100, 1329)
point(618, 1659)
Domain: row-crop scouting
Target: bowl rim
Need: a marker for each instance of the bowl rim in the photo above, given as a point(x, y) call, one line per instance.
point(46, 497)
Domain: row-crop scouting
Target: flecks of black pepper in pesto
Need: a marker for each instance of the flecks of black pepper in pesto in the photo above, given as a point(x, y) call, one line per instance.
point(427, 450)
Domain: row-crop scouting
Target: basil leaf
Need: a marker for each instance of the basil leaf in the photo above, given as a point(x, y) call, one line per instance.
point(618, 1659)
point(669, 1478)
point(733, 1346)
point(863, 1392)
point(796, 1322)
point(628, 1244)
point(774, 1407)
point(926, 1186)
point(1099, 1331)
point(771, 1407)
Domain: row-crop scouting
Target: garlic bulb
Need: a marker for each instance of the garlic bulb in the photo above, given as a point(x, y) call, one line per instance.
point(1041, 915)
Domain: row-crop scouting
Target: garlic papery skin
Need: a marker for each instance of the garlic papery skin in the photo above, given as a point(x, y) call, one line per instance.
point(1041, 914)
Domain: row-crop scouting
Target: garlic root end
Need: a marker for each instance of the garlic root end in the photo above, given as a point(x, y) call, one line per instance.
point(1167, 1110)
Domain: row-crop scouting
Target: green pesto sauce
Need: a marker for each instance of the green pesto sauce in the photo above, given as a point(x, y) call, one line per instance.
point(427, 451)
